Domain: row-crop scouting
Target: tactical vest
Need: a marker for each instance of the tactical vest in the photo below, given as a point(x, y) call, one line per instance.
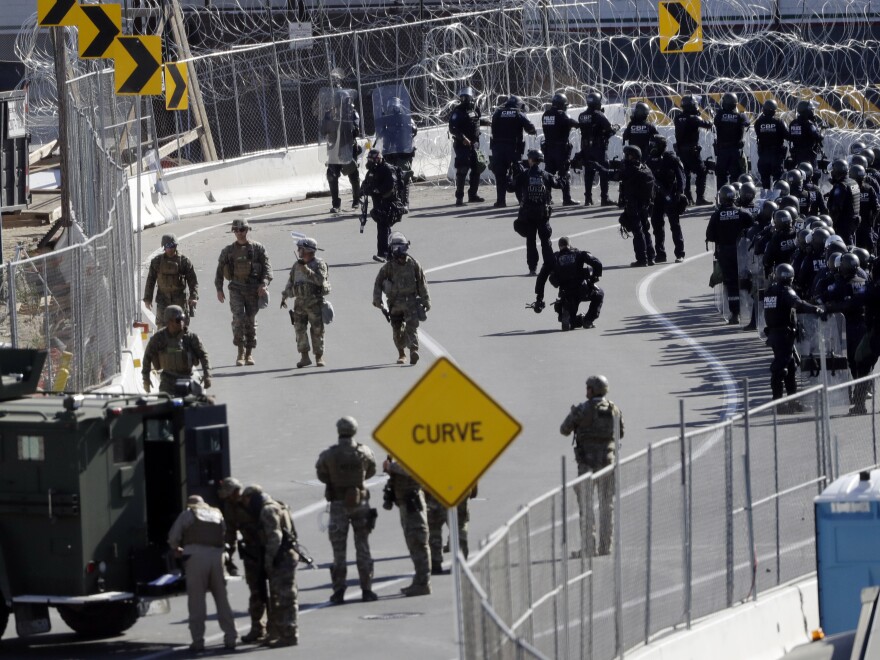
point(403, 279)
point(346, 466)
point(303, 286)
point(598, 426)
point(242, 265)
point(207, 528)
point(175, 357)
point(536, 193)
point(170, 278)
point(567, 269)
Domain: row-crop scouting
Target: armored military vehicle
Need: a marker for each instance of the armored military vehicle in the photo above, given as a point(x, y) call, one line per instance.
point(89, 486)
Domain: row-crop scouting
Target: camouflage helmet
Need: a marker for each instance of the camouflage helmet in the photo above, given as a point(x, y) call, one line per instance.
point(240, 223)
point(640, 111)
point(346, 426)
point(307, 244)
point(169, 241)
point(398, 244)
point(174, 313)
point(599, 385)
point(228, 487)
point(253, 489)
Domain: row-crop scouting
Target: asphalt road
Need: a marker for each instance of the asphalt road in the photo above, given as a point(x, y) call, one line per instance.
point(659, 340)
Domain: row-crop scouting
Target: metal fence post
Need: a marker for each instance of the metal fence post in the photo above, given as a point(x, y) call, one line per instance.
point(874, 418)
point(728, 513)
point(237, 108)
point(685, 508)
point(829, 467)
point(618, 557)
point(747, 460)
point(357, 70)
point(648, 555)
point(564, 564)
point(456, 577)
point(776, 499)
point(13, 304)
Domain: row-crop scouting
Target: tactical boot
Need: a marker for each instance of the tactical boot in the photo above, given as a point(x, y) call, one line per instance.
point(459, 201)
point(304, 360)
point(436, 568)
point(702, 201)
point(248, 358)
point(416, 589)
point(588, 200)
point(256, 635)
point(578, 321)
point(569, 202)
point(733, 320)
point(413, 356)
point(401, 356)
point(319, 359)
point(474, 197)
point(239, 361)
point(606, 201)
point(368, 596)
point(338, 597)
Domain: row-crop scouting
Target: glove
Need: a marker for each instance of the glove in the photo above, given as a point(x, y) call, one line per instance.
point(231, 568)
point(624, 232)
point(538, 306)
point(377, 304)
point(148, 305)
point(823, 314)
point(193, 303)
point(206, 381)
point(427, 306)
point(148, 386)
point(284, 303)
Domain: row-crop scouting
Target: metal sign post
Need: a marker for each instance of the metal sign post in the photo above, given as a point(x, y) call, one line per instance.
point(456, 577)
point(140, 225)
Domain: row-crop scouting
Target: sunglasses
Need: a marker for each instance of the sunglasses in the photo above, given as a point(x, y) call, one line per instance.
point(241, 231)
point(179, 319)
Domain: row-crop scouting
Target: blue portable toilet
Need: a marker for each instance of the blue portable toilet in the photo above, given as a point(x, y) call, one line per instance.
point(847, 547)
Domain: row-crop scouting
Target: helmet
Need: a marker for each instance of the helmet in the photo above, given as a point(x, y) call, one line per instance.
point(689, 104)
point(784, 274)
point(747, 194)
point(169, 241)
point(857, 172)
point(839, 170)
point(790, 202)
point(770, 107)
point(727, 195)
point(858, 159)
point(869, 155)
point(174, 313)
point(640, 111)
point(849, 265)
point(805, 109)
point(564, 242)
point(631, 153)
point(560, 102)
point(728, 102)
point(229, 486)
point(835, 245)
point(535, 155)
point(253, 489)
point(813, 222)
point(466, 94)
point(746, 178)
point(782, 219)
point(394, 106)
point(398, 244)
point(737, 185)
point(803, 238)
point(512, 101)
point(807, 169)
point(856, 147)
point(832, 261)
point(795, 179)
point(346, 426)
point(658, 145)
point(781, 188)
point(594, 101)
point(307, 244)
point(768, 208)
point(599, 385)
point(863, 255)
point(818, 239)
point(374, 157)
point(824, 217)
point(240, 223)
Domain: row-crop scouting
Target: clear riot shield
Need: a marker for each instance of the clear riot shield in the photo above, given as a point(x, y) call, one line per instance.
point(393, 118)
point(744, 275)
point(813, 334)
point(720, 295)
point(338, 119)
point(759, 285)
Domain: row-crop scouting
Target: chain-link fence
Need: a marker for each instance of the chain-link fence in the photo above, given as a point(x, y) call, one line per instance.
point(702, 521)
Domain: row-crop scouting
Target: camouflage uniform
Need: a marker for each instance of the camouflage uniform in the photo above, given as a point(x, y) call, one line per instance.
point(307, 284)
point(344, 467)
point(277, 537)
point(593, 425)
point(173, 275)
point(438, 515)
point(175, 355)
point(246, 267)
point(413, 518)
point(405, 287)
point(250, 549)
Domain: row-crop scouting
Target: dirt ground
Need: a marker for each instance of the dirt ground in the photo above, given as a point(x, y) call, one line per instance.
point(28, 237)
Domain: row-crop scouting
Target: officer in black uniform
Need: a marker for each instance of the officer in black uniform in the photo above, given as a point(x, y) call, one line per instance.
point(464, 127)
point(688, 124)
point(805, 136)
point(810, 199)
point(532, 188)
point(341, 126)
point(596, 130)
point(557, 149)
point(726, 226)
point(575, 273)
point(639, 130)
point(668, 196)
point(783, 243)
point(730, 128)
point(771, 134)
point(780, 305)
point(381, 183)
point(847, 295)
point(393, 150)
point(508, 124)
point(869, 205)
point(844, 200)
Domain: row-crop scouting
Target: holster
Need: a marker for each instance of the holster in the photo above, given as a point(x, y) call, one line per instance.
point(413, 503)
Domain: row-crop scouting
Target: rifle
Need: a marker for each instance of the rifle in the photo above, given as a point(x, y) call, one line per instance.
point(303, 554)
point(365, 207)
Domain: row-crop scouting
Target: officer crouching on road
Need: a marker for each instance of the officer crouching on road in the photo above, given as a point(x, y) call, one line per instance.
point(175, 351)
point(532, 188)
point(576, 274)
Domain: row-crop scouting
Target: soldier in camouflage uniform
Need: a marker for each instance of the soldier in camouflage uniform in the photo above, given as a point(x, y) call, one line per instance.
point(411, 503)
point(173, 273)
point(344, 467)
point(239, 520)
point(245, 265)
point(307, 285)
point(438, 516)
point(593, 425)
point(175, 350)
point(278, 542)
point(402, 280)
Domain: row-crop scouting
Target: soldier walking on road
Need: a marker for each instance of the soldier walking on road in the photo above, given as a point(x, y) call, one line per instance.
point(344, 468)
point(172, 273)
point(402, 280)
point(197, 537)
point(413, 518)
point(239, 520)
point(307, 284)
point(593, 423)
point(175, 351)
point(278, 544)
point(245, 265)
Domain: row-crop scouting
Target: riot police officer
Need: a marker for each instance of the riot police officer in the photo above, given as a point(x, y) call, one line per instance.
point(783, 243)
point(844, 200)
point(730, 128)
point(688, 125)
point(595, 130)
point(668, 196)
point(508, 124)
point(532, 188)
point(639, 130)
point(464, 127)
point(869, 205)
point(771, 134)
point(396, 129)
point(805, 135)
point(726, 226)
point(557, 126)
point(381, 184)
point(780, 305)
point(810, 199)
point(341, 127)
point(575, 272)
point(847, 295)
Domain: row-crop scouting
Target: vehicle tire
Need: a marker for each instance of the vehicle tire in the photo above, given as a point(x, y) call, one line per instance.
point(4, 614)
point(100, 619)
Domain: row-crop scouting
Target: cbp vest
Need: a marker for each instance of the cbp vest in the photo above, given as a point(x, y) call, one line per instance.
point(207, 528)
point(536, 193)
point(567, 266)
point(175, 357)
point(170, 278)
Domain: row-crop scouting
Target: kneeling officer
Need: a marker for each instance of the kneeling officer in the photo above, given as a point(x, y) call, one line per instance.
point(175, 351)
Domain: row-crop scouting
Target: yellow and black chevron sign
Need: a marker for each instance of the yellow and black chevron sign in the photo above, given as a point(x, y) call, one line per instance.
point(52, 13)
point(176, 86)
point(98, 26)
point(138, 66)
point(681, 26)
